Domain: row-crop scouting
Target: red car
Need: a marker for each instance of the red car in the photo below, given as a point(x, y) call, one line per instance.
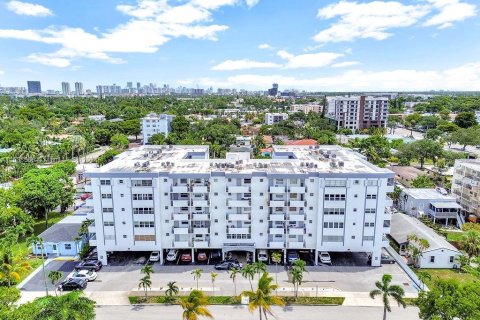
point(202, 256)
point(85, 196)
point(186, 257)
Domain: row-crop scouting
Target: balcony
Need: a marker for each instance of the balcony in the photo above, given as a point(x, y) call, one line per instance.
point(200, 189)
point(276, 244)
point(200, 217)
point(200, 203)
point(180, 230)
point(296, 231)
point(277, 217)
point(238, 203)
point(179, 189)
point(276, 231)
point(179, 203)
point(297, 204)
point(238, 217)
point(297, 190)
point(296, 245)
point(235, 230)
point(277, 189)
point(276, 203)
point(238, 189)
point(296, 217)
point(180, 217)
point(201, 230)
point(88, 187)
point(181, 244)
point(201, 244)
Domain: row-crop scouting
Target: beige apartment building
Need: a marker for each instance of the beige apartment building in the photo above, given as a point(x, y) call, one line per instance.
point(466, 185)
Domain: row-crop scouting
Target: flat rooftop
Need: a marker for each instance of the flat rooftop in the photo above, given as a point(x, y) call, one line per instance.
point(471, 164)
point(427, 194)
point(285, 160)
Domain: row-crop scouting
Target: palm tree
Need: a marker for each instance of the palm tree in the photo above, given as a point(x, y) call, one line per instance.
point(471, 243)
point(145, 283)
point(197, 273)
point(263, 298)
point(423, 276)
point(386, 290)
point(463, 260)
point(276, 258)
point(259, 267)
point(233, 275)
point(415, 253)
point(297, 277)
point(37, 241)
point(172, 289)
point(147, 270)
point(248, 272)
point(66, 307)
point(213, 275)
point(54, 276)
point(194, 306)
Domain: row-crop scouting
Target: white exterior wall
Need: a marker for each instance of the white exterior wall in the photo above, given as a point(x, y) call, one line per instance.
point(153, 124)
point(272, 118)
point(441, 260)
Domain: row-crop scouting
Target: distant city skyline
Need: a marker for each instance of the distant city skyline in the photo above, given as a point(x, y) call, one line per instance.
point(313, 45)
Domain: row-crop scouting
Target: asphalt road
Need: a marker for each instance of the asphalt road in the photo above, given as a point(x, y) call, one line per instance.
point(241, 313)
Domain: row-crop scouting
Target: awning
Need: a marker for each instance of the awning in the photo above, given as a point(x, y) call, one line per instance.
point(446, 205)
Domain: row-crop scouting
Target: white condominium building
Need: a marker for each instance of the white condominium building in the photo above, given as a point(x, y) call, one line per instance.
point(272, 118)
point(359, 112)
point(156, 123)
point(466, 185)
point(309, 198)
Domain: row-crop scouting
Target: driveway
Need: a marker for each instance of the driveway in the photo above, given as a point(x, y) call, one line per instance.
point(37, 283)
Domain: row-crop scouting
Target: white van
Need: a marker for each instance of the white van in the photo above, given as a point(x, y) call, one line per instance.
point(262, 255)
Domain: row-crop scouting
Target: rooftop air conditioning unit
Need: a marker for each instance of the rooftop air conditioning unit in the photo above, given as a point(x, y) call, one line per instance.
point(341, 164)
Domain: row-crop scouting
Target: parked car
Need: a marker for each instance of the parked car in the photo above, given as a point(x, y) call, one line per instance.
point(228, 265)
point(386, 258)
point(202, 256)
point(442, 191)
point(85, 196)
point(89, 265)
point(141, 260)
point(72, 284)
point(89, 275)
point(172, 255)
point(292, 256)
point(186, 257)
point(215, 255)
point(154, 256)
point(262, 255)
point(325, 257)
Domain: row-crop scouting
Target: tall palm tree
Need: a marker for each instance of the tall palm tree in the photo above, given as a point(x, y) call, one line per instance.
point(54, 276)
point(297, 278)
point(213, 275)
point(415, 253)
point(248, 272)
point(37, 241)
point(471, 243)
point(259, 267)
point(146, 284)
point(276, 258)
point(233, 275)
point(172, 289)
point(423, 276)
point(195, 306)
point(386, 290)
point(197, 273)
point(263, 298)
point(73, 305)
point(147, 270)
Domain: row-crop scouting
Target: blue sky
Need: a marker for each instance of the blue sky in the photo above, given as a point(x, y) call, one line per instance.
point(302, 44)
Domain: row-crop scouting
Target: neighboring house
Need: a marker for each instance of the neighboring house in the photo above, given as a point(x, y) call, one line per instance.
point(441, 254)
point(405, 174)
point(302, 142)
point(242, 144)
point(61, 239)
point(419, 202)
point(267, 152)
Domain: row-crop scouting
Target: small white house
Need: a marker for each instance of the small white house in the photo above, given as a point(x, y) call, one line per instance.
point(441, 254)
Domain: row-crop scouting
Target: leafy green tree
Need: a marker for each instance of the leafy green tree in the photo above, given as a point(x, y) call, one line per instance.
point(157, 139)
point(411, 121)
point(433, 134)
point(107, 157)
point(386, 290)
point(119, 141)
point(180, 126)
point(263, 298)
point(197, 274)
point(424, 276)
point(470, 243)
point(422, 150)
point(276, 258)
point(13, 267)
point(422, 181)
point(465, 119)
point(195, 306)
point(466, 137)
point(54, 276)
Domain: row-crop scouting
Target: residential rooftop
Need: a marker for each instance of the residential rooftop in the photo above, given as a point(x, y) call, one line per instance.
point(286, 160)
point(428, 194)
point(471, 164)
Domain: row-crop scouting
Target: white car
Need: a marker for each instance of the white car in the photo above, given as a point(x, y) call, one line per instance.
point(262, 255)
point(325, 258)
point(154, 256)
point(172, 255)
point(89, 275)
point(442, 191)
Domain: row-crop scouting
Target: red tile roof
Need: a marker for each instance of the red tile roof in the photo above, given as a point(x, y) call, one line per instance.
point(303, 142)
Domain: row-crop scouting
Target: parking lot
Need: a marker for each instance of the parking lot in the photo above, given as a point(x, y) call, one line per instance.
point(349, 272)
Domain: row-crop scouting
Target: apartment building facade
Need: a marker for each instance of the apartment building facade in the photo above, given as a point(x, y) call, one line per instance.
point(359, 112)
point(272, 118)
point(156, 123)
point(306, 108)
point(315, 198)
point(466, 185)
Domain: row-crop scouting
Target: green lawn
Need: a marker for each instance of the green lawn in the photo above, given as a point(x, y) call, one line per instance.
point(454, 236)
point(436, 274)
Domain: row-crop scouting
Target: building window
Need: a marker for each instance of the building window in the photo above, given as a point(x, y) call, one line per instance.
point(121, 195)
point(451, 259)
point(68, 246)
point(369, 224)
point(335, 183)
point(370, 211)
point(372, 182)
point(144, 237)
point(353, 237)
point(356, 181)
point(261, 207)
point(124, 236)
point(104, 182)
point(334, 197)
point(141, 183)
point(165, 194)
point(432, 259)
point(261, 193)
point(142, 196)
point(108, 223)
point(107, 210)
point(165, 180)
point(371, 196)
point(142, 210)
point(334, 211)
point(144, 224)
point(106, 196)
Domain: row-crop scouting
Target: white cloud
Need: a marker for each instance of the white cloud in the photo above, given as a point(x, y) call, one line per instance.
point(345, 64)
point(2, 72)
point(251, 3)
point(243, 64)
point(309, 60)
point(264, 46)
point(367, 20)
point(465, 77)
point(29, 9)
point(376, 19)
point(450, 11)
point(151, 24)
